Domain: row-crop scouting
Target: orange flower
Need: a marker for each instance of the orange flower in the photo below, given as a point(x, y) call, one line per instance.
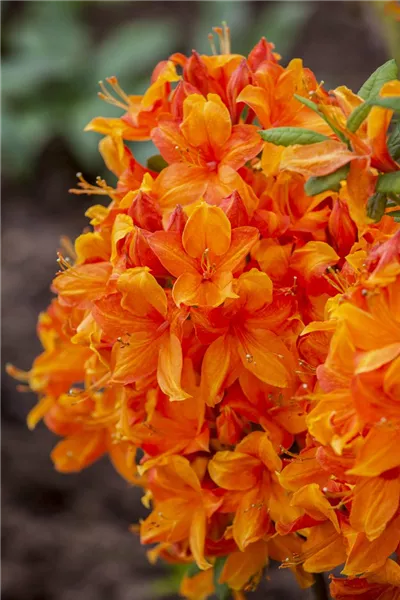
point(205, 257)
point(256, 459)
point(204, 153)
point(182, 507)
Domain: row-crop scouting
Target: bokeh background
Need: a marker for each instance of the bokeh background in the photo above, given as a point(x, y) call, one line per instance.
point(66, 537)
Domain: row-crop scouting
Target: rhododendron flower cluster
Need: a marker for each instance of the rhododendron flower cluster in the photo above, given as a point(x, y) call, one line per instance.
point(228, 331)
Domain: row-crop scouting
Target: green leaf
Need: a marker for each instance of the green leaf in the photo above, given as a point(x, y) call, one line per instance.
point(156, 163)
point(222, 591)
point(193, 569)
point(389, 183)
point(317, 185)
point(384, 73)
point(391, 102)
point(310, 104)
point(393, 143)
point(358, 116)
point(376, 206)
point(395, 214)
point(135, 48)
point(287, 136)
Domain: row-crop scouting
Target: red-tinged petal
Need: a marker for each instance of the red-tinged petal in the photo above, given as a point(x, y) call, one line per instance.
point(366, 556)
point(78, 451)
point(231, 181)
point(234, 208)
point(197, 538)
point(243, 145)
point(375, 501)
point(317, 159)
point(207, 229)
point(240, 567)
point(167, 246)
point(303, 522)
point(242, 241)
point(169, 370)
point(379, 453)
point(234, 470)
point(167, 137)
point(251, 522)
point(214, 370)
point(177, 220)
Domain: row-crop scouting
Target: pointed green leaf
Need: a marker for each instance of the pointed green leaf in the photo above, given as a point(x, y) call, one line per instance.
point(393, 143)
point(383, 74)
point(389, 183)
point(376, 206)
point(221, 589)
point(156, 163)
point(287, 136)
point(395, 214)
point(317, 185)
point(391, 102)
point(358, 116)
point(310, 104)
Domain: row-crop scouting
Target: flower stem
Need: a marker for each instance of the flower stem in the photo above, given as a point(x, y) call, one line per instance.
point(320, 588)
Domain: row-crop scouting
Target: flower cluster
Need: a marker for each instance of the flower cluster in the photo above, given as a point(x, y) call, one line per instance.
point(229, 330)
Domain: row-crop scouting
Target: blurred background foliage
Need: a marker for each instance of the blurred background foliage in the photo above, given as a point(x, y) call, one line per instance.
point(54, 53)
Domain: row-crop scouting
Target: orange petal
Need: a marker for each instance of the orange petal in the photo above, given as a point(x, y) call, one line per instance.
point(240, 567)
point(261, 352)
point(208, 229)
point(243, 145)
point(317, 159)
point(167, 246)
point(255, 287)
point(251, 521)
point(379, 453)
point(169, 370)
point(234, 470)
point(375, 501)
point(197, 538)
point(214, 370)
point(242, 240)
point(78, 451)
point(366, 557)
point(311, 498)
point(141, 293)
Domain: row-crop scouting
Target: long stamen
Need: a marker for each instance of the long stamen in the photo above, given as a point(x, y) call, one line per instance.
point(107, 96)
